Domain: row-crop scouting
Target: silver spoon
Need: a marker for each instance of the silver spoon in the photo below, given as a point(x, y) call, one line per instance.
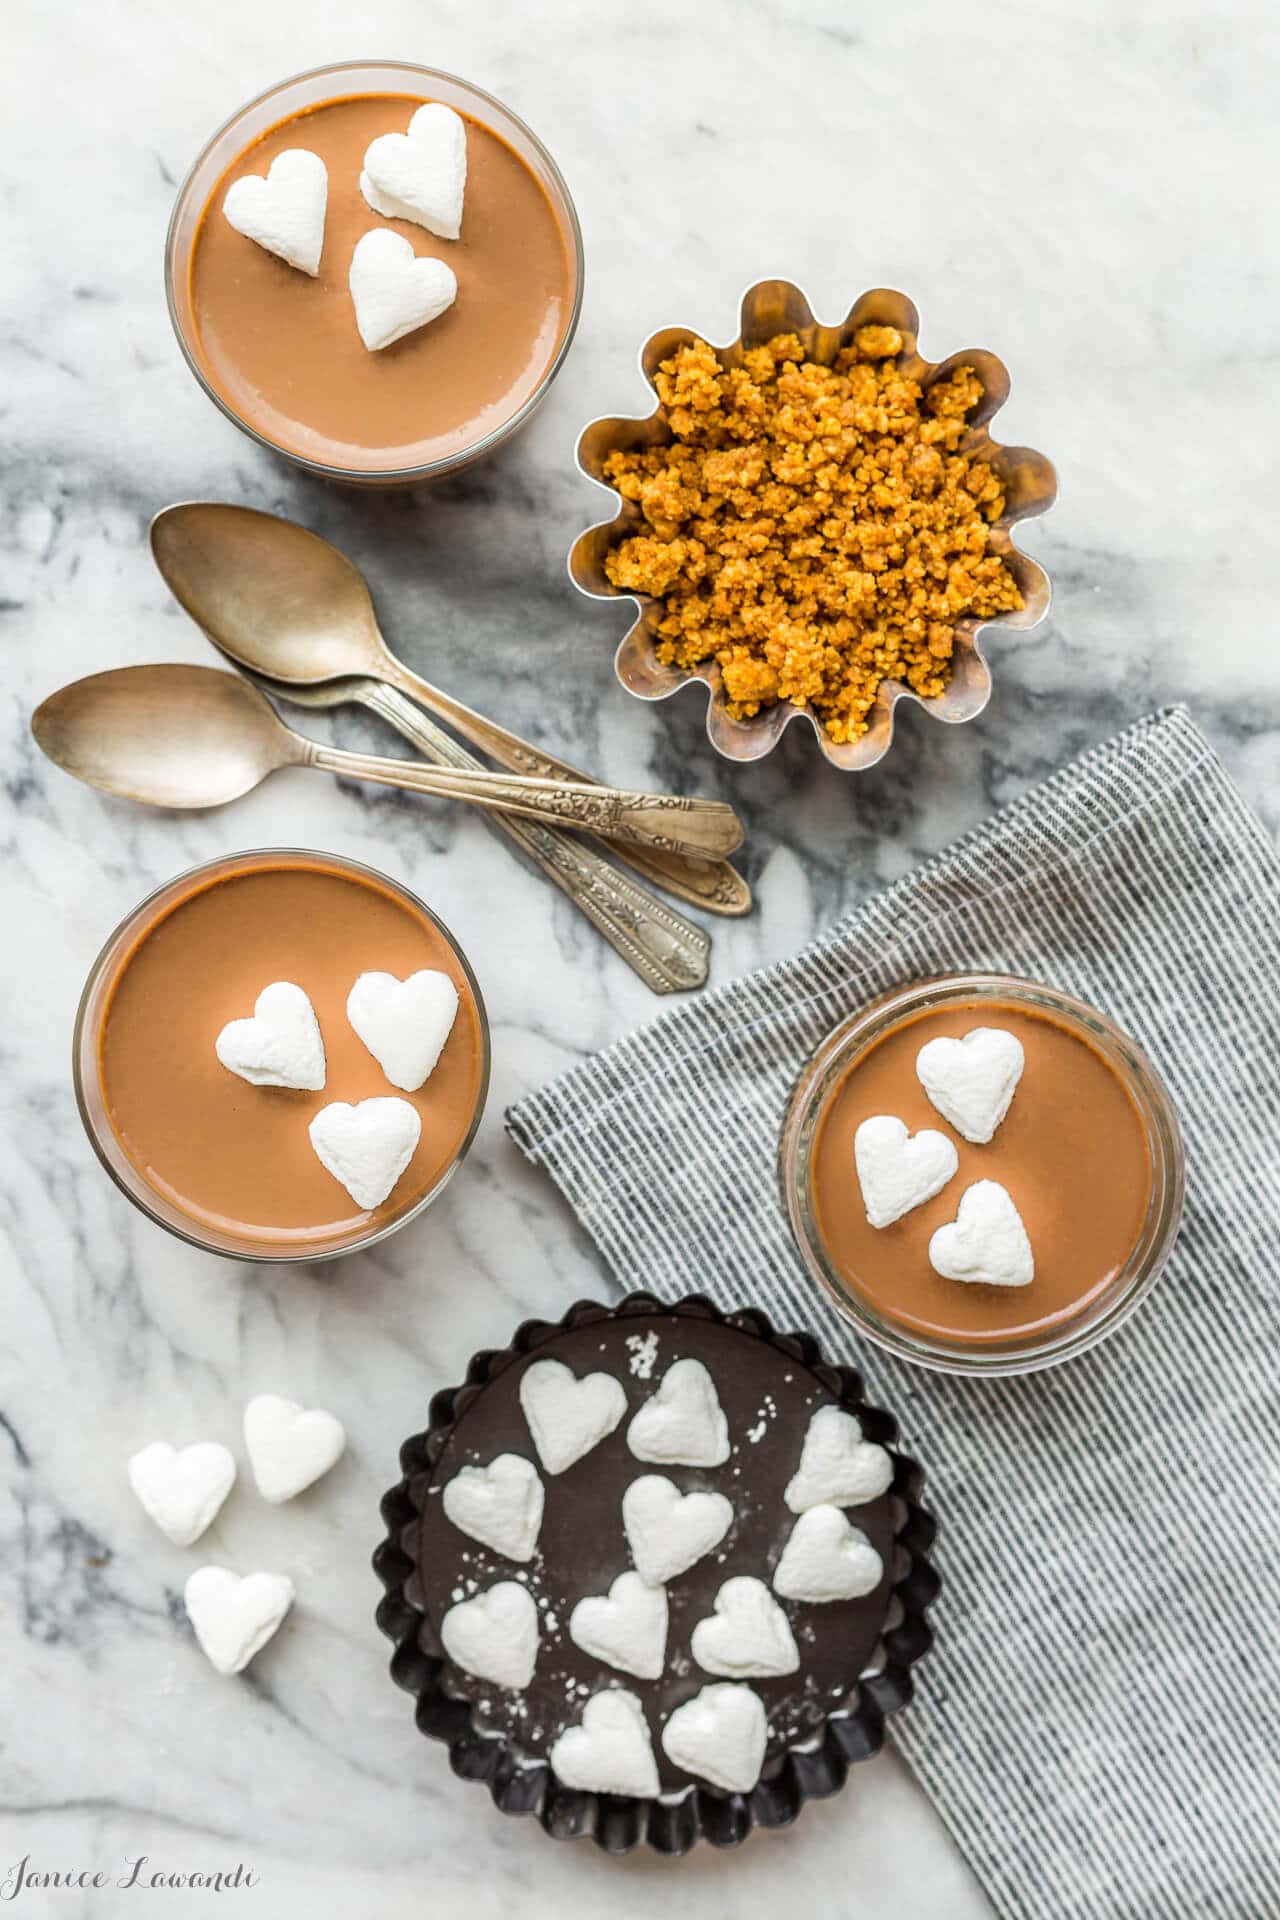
point(669, 953)
point(286, 604)
point(179, 736)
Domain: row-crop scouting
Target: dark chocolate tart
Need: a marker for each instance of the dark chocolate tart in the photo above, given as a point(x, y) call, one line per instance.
point(858, 1654)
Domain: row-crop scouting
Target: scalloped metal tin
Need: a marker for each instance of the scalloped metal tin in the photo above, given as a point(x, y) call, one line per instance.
point(811, 1770)
point(768, 308)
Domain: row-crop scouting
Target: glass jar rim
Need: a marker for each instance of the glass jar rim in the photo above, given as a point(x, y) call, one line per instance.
point(1147, 1259)
point(89, 1012)
point(566, 212)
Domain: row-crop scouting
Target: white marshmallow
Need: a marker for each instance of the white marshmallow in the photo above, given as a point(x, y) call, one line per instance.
point(404, 1023)
point(610, 1751)
point(420, 175)
point(182, 1490)
point(366, 1147)
point(494, 1636)
point(280, 1046)
point(285, 211)
point(667, 1530)
point(568, 1416)
point(827, 1558)
point(748, 1636)
point(720, 1736)
point(235, 1618)
point(289, 1446)
point(897, 1170)
point(986, 1243)
point(395, 291)
point(972, 1081)
point(837, 1465)
point(627, 1627)
point(682, 1424)
point(500, 1504)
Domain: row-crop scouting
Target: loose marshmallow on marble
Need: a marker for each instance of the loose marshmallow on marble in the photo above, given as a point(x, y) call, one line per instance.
point(897, 1170)
point(720, 1736)
point(279, 1045)
point(986, 1243)
point(500, 1505)
point(420, 175)
point(182, 1489)
point(748, 1636)
point(837, 1465)
point(234, 1618)
point(395, 291)
point(289, 1446)
point(404, 1023)
point(627, 1627)
point(827, 1558)
point(495, 1636)
point(682, 1424)
point(668, 1531)
point(610, 1751)
point(285, 211)
point(972, 1081)
point(366, 1147)
point(568, 1416)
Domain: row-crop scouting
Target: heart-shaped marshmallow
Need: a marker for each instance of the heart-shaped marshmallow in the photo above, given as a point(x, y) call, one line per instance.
point(367, 1147)
point(235, 1618)
point(748, 1636)
point(404, 1023)
point(494, 1636)
point(986, 1242)
point(610, 1751)
point(682, 1424)
point(568, 1416)
point(720, 1736)
point(837, 1465)
point(280, 1046)
point(394, 290)
point(827, 1558)
point(289, 1446)
point(667, 1530)
point(420, 175)
point(972, 1081)
point(626, 1627)
point(285, 211)
point(500, 1504)
point(898, 1170)
point(182, 1490)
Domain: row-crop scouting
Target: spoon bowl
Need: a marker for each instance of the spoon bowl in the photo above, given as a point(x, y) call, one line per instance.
point(170, 736)
point(275, 596)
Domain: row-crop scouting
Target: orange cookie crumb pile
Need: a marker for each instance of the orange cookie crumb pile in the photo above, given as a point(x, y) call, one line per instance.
point(814, 529)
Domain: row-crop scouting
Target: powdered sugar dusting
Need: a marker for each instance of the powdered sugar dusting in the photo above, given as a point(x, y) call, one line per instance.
point(643, 1348)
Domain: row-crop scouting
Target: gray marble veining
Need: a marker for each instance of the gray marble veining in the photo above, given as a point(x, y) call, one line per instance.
point(1080, 187)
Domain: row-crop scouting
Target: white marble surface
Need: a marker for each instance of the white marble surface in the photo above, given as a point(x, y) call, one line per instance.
point(1079, 186)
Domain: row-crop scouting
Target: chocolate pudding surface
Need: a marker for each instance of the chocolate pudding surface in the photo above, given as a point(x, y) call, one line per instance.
point(282, 348)
point(768, 1399)
point(239, 1157)
point(1072, 1152)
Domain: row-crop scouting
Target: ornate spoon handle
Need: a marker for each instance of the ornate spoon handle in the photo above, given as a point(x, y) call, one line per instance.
point(668, 952)
point(711, 884)
point(666, 820)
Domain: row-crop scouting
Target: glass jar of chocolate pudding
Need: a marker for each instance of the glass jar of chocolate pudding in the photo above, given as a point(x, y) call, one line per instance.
point(277, 347)
point(1059, 1128)
point(227, 1163)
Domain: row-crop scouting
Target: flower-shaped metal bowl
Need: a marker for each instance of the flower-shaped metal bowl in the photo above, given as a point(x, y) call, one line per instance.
point(768, 308)
point(813, 1767)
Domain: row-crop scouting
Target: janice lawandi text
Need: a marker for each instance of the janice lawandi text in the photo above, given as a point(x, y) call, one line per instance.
point(140, 1873)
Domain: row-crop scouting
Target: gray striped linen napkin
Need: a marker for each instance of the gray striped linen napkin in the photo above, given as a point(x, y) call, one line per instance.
point(1098, 1724)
